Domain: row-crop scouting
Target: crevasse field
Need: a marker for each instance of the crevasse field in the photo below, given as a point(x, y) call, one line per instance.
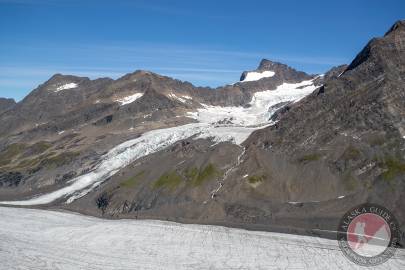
point(38, 239)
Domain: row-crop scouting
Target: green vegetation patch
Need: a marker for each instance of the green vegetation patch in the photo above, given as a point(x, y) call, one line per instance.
point(351, 153)
point(191, 173)
point(11, 152)
point(256, 179)
point(132, 181)
point(39, 147)
point(170, 180)
point(349, 181)
point(28, 163)
point(394, 167)
point(18, 151)
point(198, 176)
point(4, 162)
point(309, 158)
point(59, 160)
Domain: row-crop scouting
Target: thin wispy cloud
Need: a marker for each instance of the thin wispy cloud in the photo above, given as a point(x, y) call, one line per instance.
point(32, 76)
point(202, 66)
point(146, 52)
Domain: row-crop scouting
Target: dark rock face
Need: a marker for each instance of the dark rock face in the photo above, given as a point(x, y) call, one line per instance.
point(351, 130)
point(371, 85)
point(6, 104)
point(287, 73)
point(102, 202)
point(331, 74)
point(46, 103)
point(280, 110)
point(10, 179)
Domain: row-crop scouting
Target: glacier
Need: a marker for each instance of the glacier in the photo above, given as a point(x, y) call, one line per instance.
point(219, 124)
point(257, 113)
point(49, 240)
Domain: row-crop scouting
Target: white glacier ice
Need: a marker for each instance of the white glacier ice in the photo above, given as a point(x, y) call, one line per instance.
point(47, 240)
point(257, 113)
point(255, 76)
point(117, 158)
point(66, 86)
point(220, 124)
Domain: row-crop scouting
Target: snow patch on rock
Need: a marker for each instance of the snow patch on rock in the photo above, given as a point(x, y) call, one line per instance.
point(255, 76)
point(182, 99)
point(129, 99)
point(66, 87)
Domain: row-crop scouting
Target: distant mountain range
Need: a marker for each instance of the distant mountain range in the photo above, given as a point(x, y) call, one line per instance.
point(280, 149)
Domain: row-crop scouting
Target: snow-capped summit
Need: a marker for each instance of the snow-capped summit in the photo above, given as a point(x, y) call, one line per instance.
point(276, 71)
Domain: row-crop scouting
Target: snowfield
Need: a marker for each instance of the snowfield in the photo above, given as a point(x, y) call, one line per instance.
point(41, 240)
point(220, 124)
point(66, 87)
point(255, 76)
point(129, 99)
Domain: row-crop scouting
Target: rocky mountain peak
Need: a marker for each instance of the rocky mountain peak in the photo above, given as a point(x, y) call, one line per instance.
point(143, 79)
point(59, 80)
point(383, 54)
point(141, 74)
point(271, 69)
point(58, 84)
point(398, 26)
point(266, 64)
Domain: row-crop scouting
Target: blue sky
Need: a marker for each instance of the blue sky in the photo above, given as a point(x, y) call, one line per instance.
point(206, 42)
